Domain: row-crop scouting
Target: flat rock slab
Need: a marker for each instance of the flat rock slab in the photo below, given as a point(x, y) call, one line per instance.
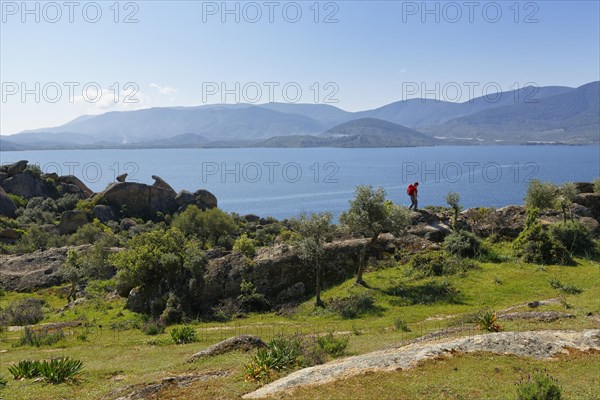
point(242, 342)
point(544, 316)
point(537, 344)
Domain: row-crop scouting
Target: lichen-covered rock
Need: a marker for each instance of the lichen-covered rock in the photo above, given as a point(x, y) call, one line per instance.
point(7, 206)
point(103, 213)
point(236, 343)
point(70, 221)
point(139, 200)
point(591, 201)
point(75, 181)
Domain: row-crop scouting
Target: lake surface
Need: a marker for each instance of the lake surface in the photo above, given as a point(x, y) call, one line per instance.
point(285, 182)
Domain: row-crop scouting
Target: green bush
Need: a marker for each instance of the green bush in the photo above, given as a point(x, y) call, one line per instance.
point(55, 371)
point(250, 299)
point(486, 320)
point(245, 245)
point(23, 312)
point(19, 201)
point(400, 325)
point(462, 244)
point(439, 263)
point(153, 328)
point(535, 245)
point(541, 387)
point(183, 335)
point(574, 236)
point(3, 382)
point(25, 369)
point(596, 185)
point(281, 354)
point(353, 306)
point(567, 288)
point(332, 345)
point(59, 370)
point(42, 337)
point(540, 195)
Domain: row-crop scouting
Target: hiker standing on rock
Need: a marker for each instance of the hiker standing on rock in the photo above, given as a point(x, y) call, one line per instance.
point(413, 192)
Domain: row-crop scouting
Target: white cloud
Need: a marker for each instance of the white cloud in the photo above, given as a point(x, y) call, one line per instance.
point(164, 90)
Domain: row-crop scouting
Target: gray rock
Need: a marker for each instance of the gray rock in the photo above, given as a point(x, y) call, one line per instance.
point(160, 183)
point(27, 184)
point(237, 343)
point(126, 224)
point(3, 176)
point(205, 199)
point(251, 218)
point(70, 221)
point(584, 187)
point(73, 180)
point(591, 201)
point(52, 175)
point(294, 292)
point(103, 213)
point(9, 234)
point(184, 197)
point(122, 177)
point(139, 200)
point(16, 168)
point(37, 270)
point(136, 301)
point(7, 205)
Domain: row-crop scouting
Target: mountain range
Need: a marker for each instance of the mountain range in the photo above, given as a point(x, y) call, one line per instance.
point(551, 114)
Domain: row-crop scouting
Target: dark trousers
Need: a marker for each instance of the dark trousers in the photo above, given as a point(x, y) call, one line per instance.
point(413, 202)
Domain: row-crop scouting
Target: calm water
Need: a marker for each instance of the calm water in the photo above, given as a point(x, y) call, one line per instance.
point(286, 182)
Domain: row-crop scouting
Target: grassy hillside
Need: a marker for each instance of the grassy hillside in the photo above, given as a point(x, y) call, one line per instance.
point(116, 353)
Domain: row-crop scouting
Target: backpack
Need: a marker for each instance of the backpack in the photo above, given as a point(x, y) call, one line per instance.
point(411, 190)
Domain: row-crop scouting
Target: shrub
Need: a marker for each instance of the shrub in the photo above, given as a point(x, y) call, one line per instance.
point(23, 312)
point(536, 245)
point(244, 245)
point(42, 337)
point(282, 353)
point(60, 370)
point(226, 310)
point(250, 299)
point(568, 289)
point(19, 201)
point(438, 263)
point(541, 387)
point(153, 328)
point(67, 202)
point(25, 369)
point(540, 195)
point(353, 305)
point(400, 325)
point(332, 345)
point(3, 382)
point(486, 320)
point(462, 244)
point(183, 335)
point(596, 183)
point(574, 236)
point(55, 371)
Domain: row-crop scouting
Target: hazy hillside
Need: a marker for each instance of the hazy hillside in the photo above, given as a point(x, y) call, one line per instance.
point(572, 117)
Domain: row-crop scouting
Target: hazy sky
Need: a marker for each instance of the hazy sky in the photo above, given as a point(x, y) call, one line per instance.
point(352, 54)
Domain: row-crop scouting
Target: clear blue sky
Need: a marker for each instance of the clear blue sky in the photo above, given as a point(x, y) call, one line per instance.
point(370, 53)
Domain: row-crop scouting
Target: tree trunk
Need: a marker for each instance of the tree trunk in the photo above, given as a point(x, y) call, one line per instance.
point(362, 260)
point(319, 302)
point(564, 212)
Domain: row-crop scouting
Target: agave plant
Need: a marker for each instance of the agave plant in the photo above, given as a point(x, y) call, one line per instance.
point(25, 369)
point(486, 320)
point(60, 370)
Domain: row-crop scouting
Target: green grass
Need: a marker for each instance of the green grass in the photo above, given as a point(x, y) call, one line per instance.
point(117, 353)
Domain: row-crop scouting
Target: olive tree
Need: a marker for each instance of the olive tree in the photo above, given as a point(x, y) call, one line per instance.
point(566, 195)
point(541, 195)
point(370, 215)
point(453, 200)
point(314, 231)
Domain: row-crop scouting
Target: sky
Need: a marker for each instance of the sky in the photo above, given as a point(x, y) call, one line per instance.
point(60, 60)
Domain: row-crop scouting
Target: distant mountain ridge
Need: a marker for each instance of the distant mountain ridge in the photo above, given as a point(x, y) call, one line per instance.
point(544, 114)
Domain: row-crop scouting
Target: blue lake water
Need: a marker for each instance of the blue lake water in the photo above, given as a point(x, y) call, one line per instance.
point(286, 182)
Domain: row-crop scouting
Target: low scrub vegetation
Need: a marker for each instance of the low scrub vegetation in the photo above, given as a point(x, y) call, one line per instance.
point(28, 311)
point(55, 371)
point(353, 306)
point(41, 337)
point(183, 334)
point(540, 386)
point(439, 263)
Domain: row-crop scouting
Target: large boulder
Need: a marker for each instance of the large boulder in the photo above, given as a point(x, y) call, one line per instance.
point(7, 206)
point(16, 168)
point(28, 184)
point(591, 201)
point(103, 213)
point(201, 198)
point(70, 221)
point(506, 222)
point(139, 200)
point(584, 187)
point(160, 183)
point(29, 272)
point(71, 180)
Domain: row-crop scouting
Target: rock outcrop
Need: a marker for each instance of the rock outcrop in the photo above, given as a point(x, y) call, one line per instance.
point(70, 221)
point(536, 344)
point(236, 343)
point(7, 206)
point(28, 184)
point(74, 185)
point(38, 270)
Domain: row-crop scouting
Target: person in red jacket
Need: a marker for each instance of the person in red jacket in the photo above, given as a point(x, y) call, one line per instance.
point(413, 192)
